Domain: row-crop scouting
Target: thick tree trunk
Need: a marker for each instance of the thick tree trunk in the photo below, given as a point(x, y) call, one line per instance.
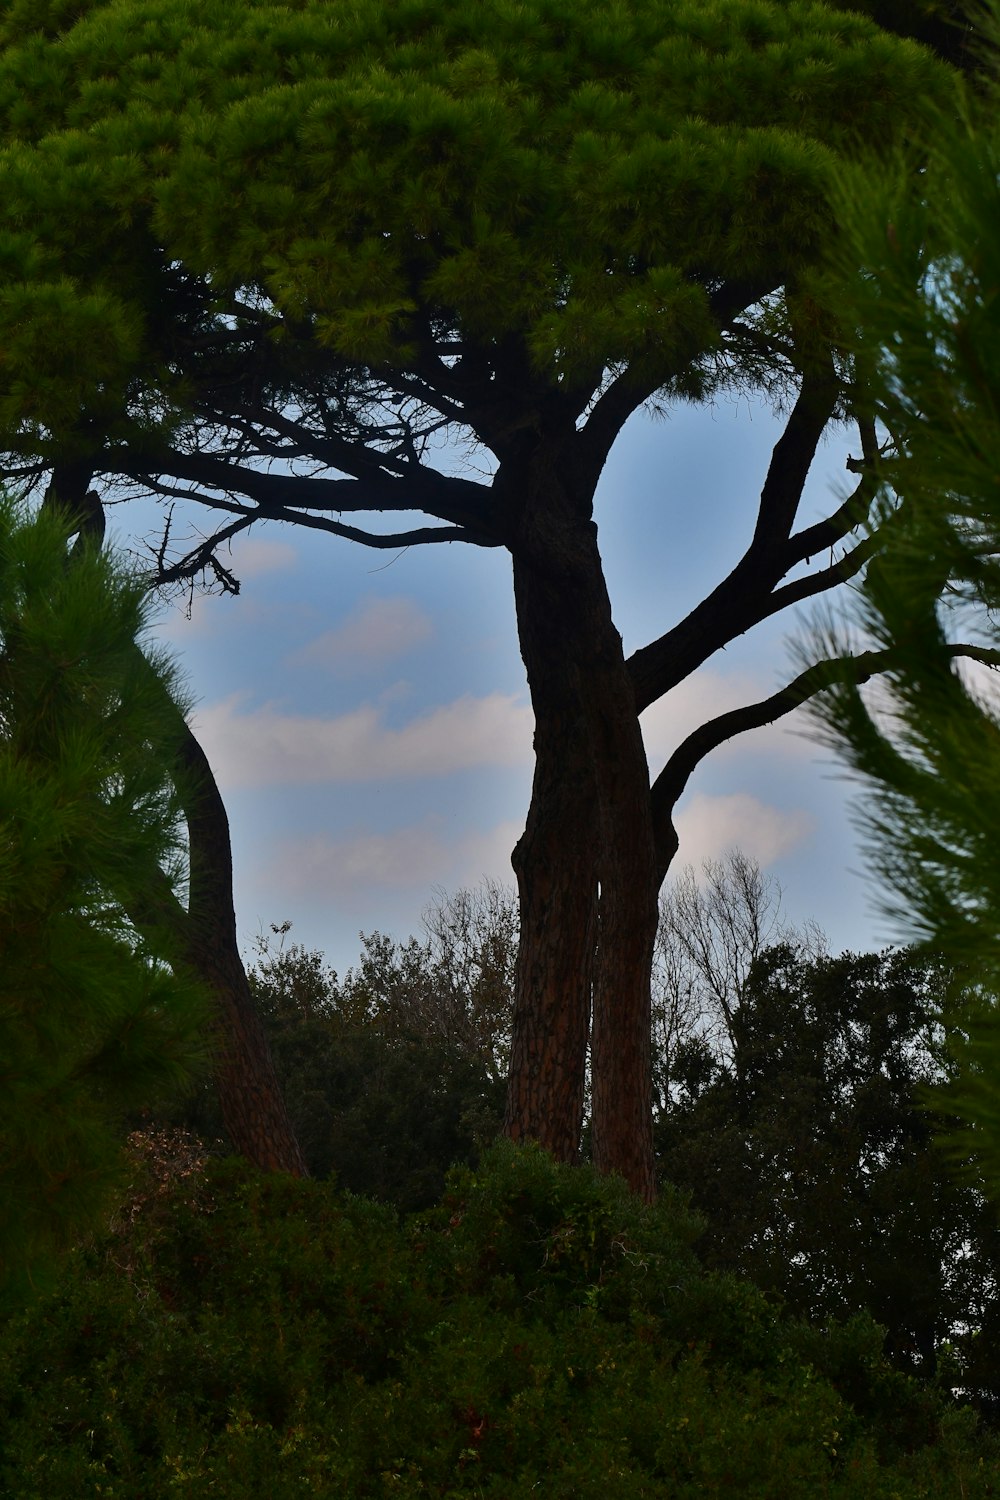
point(555, 862)
point(585, 866)
point(621, 1039)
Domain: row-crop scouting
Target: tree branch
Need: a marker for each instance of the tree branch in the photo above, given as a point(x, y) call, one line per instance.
point(791, 460)
point(750, 593)
point(827, 578)
point(359, 459)
point(742, 600)
point(628, 391)
point(846, 517)
point(466, 504)
point(670, 784)
point(611, 411)
point(203, 556)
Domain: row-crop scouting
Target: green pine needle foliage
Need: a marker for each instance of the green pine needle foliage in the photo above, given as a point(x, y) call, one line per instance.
point(579, 175)
point(92, 1021)
point(928, 347)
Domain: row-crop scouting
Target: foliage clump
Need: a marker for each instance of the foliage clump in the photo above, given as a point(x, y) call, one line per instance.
point(93, 1021)
point(540, 1328)
point(804, 1137)
point(397, 1071)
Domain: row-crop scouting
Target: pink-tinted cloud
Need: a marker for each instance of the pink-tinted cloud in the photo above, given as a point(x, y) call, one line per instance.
point(352, 870)
point(377, 630)
point(706, 695)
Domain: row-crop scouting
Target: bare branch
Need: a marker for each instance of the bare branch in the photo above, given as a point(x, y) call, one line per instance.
point(358, 458)
point(791, 460)
point(612, 409)
point(747, 595)
point(827, 578)
point(201, 558)
point(204, 557)
point(465, 503)
point(805, 544)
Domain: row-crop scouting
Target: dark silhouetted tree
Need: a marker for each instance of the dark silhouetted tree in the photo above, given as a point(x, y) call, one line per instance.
point(807, 1144)
point(266, 257)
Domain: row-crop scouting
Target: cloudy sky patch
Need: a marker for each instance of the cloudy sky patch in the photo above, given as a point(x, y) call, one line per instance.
point(267, 746)
point(377, 630)
point(413, 860)
point(708, 827)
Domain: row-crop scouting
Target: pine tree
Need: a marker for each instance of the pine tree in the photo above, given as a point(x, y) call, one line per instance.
point(266, 256)
point(928, 748)
point(93, 1021)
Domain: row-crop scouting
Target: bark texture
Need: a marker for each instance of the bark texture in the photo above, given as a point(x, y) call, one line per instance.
point(621, 1068)
point(585, 866)
point(555, 863)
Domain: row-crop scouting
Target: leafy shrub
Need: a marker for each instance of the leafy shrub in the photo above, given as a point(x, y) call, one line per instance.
point(540, 1331)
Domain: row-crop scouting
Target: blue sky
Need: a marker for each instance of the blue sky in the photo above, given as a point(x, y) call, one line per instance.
point(367, 717)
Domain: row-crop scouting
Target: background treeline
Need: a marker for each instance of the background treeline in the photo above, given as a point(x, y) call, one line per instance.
point(808, 1309)
point(792, 1100)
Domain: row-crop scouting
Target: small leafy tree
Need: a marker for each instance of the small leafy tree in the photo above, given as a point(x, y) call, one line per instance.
point(396, 1072)
point(92, 1021)
point(804, 1142)
point(456, 983)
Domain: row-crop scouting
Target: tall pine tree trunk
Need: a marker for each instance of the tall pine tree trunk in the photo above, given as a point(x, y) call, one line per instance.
point(621, 1036)
point(555, 862)
point(586, 868)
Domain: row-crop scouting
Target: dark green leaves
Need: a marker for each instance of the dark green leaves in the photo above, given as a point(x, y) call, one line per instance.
point(92, 1021)
point(577, 174)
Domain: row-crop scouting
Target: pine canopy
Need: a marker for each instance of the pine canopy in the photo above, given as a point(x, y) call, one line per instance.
point(403, 186)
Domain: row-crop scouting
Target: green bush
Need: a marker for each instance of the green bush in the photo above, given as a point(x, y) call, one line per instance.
point(539, 1332)
point(384, 1087)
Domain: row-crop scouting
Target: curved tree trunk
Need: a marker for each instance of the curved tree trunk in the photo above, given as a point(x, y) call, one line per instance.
point(586, 868)
point(204, 937)
point(250, 1096)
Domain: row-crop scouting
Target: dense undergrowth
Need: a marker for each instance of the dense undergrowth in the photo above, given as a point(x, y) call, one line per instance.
point(539, 1333)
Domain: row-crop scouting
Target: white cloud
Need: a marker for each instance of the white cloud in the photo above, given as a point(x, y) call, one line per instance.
point(267, 747)
point(355, 871)
point(709, 826)
point(349, 869)
point(701, 697)
point(377, 630)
